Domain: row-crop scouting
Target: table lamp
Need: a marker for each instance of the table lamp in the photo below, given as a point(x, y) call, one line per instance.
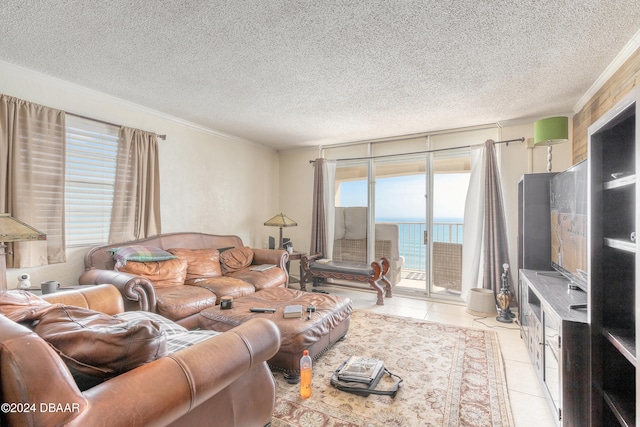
point(13, 230)
point(551, 131)
point(280, 220)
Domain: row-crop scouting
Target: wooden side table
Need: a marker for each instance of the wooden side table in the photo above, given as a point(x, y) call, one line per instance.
point(295, 256)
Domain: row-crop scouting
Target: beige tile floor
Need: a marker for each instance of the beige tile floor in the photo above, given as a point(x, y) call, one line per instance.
point(529, 406)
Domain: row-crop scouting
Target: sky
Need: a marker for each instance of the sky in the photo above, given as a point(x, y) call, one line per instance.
point(403, 197)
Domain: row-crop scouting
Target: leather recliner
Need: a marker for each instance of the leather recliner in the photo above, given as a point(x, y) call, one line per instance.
point(224, 378)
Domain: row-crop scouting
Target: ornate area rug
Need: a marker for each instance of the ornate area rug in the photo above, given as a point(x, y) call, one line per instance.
point(453, 376)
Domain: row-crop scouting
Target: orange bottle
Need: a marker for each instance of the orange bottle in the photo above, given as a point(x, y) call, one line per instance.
point(305, 375)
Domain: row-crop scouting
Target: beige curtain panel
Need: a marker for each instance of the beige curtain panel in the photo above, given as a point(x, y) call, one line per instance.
point(32, 155)
point(136, 202)
point(496, 250)
point(318, 215)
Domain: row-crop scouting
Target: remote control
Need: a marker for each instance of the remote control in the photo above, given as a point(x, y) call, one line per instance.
point(262, 310)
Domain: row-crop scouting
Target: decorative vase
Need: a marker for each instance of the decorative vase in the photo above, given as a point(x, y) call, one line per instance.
point(504, 298)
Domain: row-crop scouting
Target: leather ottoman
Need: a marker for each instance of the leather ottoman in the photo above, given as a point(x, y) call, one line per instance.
point(327, 325)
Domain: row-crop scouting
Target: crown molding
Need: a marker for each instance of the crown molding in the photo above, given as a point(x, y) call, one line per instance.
point(617, 62)
point(531, 119)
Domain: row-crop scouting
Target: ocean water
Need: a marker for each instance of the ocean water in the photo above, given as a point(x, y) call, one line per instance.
point(411, 237)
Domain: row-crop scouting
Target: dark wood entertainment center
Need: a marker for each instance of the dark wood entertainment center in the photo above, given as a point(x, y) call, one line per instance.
point(586, 358)
point(555, 335)
point(557, 339)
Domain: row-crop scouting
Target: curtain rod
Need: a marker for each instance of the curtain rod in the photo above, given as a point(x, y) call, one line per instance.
point(428, 151)
point(163, 137)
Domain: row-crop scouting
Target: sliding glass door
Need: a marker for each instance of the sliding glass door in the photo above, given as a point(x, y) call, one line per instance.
point(419, 210)
point(405, 200)
point(401, 219)
point(351, 238)
point(449, 185)
point(409, 209)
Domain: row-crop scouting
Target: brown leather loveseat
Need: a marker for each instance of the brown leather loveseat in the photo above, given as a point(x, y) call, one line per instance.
point(222, 379)
point(208, 267)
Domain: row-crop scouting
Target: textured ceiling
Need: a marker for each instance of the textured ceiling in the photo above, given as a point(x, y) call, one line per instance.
point(300, 73)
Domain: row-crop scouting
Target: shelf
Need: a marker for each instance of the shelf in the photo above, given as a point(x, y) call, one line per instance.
point(614, 285)
point(624, 245)
point(622, 406)
point(536, 311)
point(624, 340)
point(620, 182)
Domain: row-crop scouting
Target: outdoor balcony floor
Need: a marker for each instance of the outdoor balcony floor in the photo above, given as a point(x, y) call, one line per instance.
point(414, 281)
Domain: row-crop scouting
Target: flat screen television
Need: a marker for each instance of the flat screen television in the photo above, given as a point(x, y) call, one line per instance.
point(568, 192)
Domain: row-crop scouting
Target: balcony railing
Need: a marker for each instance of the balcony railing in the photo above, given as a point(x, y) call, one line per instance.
point(411, 243)
point(446, 259)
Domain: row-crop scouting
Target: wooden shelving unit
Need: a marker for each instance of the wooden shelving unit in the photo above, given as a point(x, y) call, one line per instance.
point(613, 282)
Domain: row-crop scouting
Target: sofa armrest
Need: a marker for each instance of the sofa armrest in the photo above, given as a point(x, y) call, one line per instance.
point(103, 298)
point(155, 394)
point(174, 385)
point(137, 292)
point(279, 257)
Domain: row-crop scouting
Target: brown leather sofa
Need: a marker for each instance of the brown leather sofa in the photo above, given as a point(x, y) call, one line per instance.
point(181, 302)
point(223, 380)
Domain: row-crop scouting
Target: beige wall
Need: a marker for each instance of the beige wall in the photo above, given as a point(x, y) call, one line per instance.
point(209, 182)
point(296, 186)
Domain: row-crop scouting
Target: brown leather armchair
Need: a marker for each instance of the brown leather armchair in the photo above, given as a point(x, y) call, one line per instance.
point(224, 378)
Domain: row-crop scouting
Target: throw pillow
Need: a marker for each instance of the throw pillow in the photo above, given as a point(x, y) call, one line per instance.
point(236, 259)
point(138, 253)
point(171, 272)
point(201, 263)
point(22, 306)
point(100, 345)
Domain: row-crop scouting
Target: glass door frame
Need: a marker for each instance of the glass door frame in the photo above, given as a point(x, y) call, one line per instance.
point(399, 160)
point(454, 160)
point(430, 168)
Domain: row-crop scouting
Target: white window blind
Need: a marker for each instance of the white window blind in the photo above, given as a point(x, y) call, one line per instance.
point(92, 149)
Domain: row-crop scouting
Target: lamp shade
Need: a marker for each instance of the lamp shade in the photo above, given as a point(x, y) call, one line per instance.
point(281, 220)
point(14, 230)
point(551, 131)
